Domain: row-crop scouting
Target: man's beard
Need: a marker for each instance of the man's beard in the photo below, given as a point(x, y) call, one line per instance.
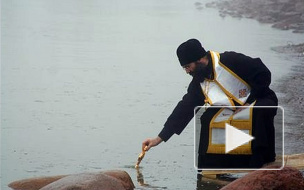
point(201, 71)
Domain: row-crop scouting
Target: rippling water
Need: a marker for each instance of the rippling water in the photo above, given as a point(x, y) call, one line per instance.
point(83, 83)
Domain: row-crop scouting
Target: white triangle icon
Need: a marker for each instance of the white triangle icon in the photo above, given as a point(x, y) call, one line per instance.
point(235, 138)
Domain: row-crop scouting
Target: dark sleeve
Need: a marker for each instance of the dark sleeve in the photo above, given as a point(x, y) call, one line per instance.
point(259, 86)
point(252, 70)
point(183, 112)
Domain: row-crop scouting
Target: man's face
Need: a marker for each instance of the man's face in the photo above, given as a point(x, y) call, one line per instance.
point(197, 68)
point(190, 68)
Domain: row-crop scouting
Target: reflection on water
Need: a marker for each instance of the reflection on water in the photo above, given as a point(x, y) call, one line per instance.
point(141, 181)
point(202, 183)
point(140, 177)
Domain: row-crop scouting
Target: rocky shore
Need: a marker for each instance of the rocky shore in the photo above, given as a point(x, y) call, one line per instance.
point(292, 85)
point(282, 14)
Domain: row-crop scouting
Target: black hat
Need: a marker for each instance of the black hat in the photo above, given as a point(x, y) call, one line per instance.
point(190, 51)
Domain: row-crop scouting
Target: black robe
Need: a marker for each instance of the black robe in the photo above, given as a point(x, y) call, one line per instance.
point(257, 75)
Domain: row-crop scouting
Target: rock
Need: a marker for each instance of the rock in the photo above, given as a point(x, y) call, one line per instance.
point(108, 180)
point(286, 179)
point(123, 176)
point(34, 183)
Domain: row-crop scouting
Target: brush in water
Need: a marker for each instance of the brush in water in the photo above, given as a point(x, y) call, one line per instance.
point(140, 157)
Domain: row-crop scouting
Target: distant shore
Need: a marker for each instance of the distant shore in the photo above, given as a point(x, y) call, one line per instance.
point(284, 15)
point(281, 14)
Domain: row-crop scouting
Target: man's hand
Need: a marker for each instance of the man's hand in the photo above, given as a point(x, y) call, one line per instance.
point(151, 142)
point(240, 109)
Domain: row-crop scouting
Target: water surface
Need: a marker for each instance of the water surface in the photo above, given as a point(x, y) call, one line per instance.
point(83, 83)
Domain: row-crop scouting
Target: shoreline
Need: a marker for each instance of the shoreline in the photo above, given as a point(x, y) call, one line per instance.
point(284, 15)
point(291, 86)
point(281, 14)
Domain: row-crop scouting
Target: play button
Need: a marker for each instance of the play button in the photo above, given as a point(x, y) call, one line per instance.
point(235, 138)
